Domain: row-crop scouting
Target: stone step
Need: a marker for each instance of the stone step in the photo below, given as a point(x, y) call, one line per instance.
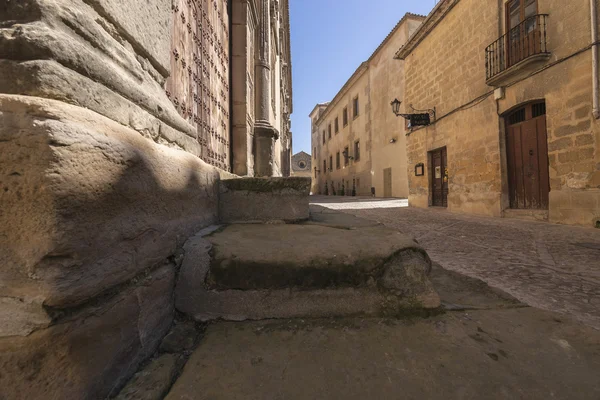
point(253, 256)
point(255, 271)
point(264, 199)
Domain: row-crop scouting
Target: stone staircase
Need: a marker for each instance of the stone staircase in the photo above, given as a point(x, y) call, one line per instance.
point(260, 265)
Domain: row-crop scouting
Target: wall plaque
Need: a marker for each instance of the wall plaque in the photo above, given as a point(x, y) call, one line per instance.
point(419, 169)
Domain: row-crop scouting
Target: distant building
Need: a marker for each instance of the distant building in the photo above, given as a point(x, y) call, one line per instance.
point(357, 142)
point(301, 164)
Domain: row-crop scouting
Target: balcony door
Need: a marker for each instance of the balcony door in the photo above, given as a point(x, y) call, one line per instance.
point(523, 30)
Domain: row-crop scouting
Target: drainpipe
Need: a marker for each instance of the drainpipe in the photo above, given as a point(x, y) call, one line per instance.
point(594, 14)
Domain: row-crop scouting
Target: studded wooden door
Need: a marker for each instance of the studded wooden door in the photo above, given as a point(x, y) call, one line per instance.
point(199, 82)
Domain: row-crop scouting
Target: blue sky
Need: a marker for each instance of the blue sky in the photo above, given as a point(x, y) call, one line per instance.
point(329, 40)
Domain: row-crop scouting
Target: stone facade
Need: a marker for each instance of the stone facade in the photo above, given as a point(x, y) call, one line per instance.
point(301, 165)
point(110, 162)
point(262, 88)
point(374, 138)
point(445, 68)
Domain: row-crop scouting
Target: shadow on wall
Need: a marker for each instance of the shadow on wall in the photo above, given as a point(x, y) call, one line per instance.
point(92, 212)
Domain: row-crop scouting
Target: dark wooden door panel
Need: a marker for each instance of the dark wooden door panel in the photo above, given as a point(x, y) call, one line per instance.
point(527, 159)
point(439, 178)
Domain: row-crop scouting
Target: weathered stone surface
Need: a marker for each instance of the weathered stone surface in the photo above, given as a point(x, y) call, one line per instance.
point(148, 25)
point(88, 203)
point(282, 279)
point(264, 199)
point(74, 35)
point(494, 354)
point(52, 80)
point(92, 352)
point(250, 256)
point(21, 317)
point(153, 382)
point(181, 337)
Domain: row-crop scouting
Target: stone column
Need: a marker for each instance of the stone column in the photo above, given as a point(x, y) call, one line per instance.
point(265, 134)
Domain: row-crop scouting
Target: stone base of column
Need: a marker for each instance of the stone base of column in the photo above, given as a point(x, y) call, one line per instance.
point(265, 136)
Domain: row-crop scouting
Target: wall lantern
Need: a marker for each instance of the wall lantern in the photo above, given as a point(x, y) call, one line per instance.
point(420, 169)
point(420, 119)
point(396, 107)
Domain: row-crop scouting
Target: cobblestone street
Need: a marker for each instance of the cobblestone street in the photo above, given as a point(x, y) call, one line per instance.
point(553, 267)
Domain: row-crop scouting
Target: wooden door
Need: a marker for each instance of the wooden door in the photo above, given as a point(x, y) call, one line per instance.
point(387, 182)
point(527, 157)
point(199, 81)
point(439, 178)
point(523, 31)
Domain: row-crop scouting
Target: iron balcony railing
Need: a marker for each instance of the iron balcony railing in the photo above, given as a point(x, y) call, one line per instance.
point(525, 40)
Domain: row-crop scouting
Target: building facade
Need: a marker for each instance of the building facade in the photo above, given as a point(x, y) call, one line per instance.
point(231, 80)
point(118, 122)
point(514, 88)
point(301, 165)
point(358, 146)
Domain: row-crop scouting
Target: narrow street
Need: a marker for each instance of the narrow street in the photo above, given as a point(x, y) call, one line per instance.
point(549, 266)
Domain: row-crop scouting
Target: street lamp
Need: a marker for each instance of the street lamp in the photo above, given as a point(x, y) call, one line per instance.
point(422, 119)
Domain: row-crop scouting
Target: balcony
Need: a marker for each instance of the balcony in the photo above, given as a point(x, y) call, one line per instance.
point(524, 44)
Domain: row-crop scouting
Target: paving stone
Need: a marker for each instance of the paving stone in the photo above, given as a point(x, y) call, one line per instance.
point(182, 337)
point(493, 354)
point(152, 382)
point(549, 266)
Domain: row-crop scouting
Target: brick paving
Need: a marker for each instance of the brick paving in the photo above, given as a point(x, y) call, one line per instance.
point(549, 266)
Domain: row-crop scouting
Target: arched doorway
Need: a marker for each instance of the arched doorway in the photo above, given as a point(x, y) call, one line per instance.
point(527, 157)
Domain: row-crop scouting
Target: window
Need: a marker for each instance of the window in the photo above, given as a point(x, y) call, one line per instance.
point(315, 153)
point(345, 116)
point(337, 125)
point(356, 150)
point(315, 172)
point(323, 137)
point(324, 166)
point(522, 28)
point(302, 164)
point(329, 131)
point(357, 183)
point(346, 156)
point(355, 107)
point(337, 160)
point(331, 163)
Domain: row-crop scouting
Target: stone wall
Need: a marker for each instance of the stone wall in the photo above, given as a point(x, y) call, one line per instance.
point(244, 24)
point(97, 193)
point(573, 138)
point(386, 77)
point(445, 69)
point(440, 73)
point(573, 132)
